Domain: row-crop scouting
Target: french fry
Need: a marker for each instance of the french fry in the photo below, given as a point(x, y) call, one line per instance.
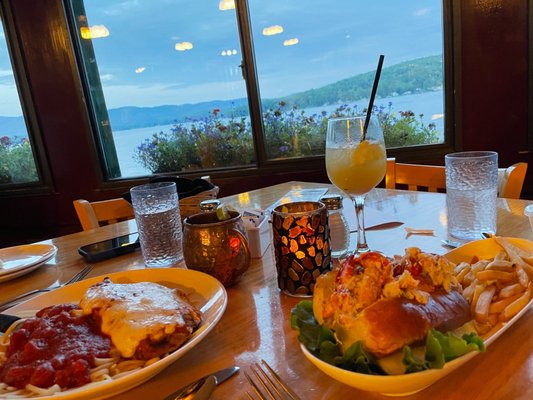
point(510, 290)
point(491, 275)
point(498, 306)
point(469, 278)
point(498, 288)
point(479, 288)
point(523, 277)
point(480, 265)
point(468, 292)
point(461, 275)
point(514, 255)
point(501, 255)
point(512, 309)
point(481, 311)
point(461, 267)
point(500, 265)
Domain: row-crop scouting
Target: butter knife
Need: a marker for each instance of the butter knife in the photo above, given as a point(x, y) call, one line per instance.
point(220, 376)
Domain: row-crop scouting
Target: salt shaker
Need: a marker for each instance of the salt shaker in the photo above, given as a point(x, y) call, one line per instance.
point(209, 205)
point(339, 232)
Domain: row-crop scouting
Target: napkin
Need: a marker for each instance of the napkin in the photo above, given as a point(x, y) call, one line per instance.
point(374, 219)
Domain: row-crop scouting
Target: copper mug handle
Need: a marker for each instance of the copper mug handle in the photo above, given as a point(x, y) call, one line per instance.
point(246, 246)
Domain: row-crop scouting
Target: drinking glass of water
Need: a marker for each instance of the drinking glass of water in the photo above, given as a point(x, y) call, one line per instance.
point(471, 193)
point(158, 219)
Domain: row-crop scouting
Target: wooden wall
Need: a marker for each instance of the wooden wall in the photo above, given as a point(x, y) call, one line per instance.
point(492, 43)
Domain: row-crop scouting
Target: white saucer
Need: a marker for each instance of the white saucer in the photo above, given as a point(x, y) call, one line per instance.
point(19, 260)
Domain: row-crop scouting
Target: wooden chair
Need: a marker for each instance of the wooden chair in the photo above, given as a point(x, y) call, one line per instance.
point(99, 213)
point(511, 180)
point(433, 178)
point(105, 212)
point(429, 177)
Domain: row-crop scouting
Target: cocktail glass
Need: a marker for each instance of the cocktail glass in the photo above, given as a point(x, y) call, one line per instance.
point(356, 163)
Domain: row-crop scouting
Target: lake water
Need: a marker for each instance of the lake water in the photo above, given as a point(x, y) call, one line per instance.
point(429, 104)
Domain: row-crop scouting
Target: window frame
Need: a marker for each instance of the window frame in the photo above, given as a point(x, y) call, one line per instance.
point(422, 153)
point(44, 183)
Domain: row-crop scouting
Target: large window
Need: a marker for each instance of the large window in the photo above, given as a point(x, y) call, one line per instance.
point(17, 164)
point(317, 59)
point(165, 78)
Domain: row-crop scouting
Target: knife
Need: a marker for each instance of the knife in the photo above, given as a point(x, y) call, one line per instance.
point(220, 376)
point(451, 243)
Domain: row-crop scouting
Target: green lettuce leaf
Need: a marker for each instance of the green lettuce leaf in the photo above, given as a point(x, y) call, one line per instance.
point(441, 348)
point(321, 341)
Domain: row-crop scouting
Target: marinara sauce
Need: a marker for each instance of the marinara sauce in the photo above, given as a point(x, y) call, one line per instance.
point(54, 347)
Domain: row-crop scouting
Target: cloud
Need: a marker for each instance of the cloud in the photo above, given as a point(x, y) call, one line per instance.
point(179, 93)
point(9, 100)
point(106, 77)
point(120, 8)
point(421, 12)
point(6, 72)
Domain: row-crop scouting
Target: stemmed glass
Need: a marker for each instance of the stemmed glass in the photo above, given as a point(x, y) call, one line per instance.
point(356, 163)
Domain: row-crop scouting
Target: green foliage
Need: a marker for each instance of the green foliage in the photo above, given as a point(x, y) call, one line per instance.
point(404, 129)
point(292, 133)
point(208, 143)
point(16, 161)
point(215, 142)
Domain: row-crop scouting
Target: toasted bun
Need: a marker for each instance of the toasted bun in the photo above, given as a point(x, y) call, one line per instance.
point(389, 324)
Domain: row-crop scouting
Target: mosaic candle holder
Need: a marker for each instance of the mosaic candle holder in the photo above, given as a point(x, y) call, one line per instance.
point(301, 245)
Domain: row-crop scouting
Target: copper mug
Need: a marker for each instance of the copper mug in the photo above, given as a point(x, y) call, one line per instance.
point(218, 248)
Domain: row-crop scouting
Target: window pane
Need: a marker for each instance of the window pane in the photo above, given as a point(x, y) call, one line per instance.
point(317, 59)
point(166, 84)
point(17, 164)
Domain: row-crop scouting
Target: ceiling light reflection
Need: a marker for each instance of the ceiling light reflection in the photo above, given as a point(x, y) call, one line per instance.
point(437, 116)
point(272, 30)
point(140, 70)
point(225, 5)
point(228, 52)
point(183, 46)
point(94, 32)
point(291, 42)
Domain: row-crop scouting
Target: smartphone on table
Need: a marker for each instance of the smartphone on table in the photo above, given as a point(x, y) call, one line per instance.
point(110, 248)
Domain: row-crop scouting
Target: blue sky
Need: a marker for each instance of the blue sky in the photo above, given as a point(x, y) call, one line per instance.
point(336, 39)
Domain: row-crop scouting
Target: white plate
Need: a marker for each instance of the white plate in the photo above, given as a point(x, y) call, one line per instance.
point(19, 260)
point(403, 385)
point(208, 294)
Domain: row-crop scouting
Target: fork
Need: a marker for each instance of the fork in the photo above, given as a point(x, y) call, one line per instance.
point(76, 278)
point(269, 383)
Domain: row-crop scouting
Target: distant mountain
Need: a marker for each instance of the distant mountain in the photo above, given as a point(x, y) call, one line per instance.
point(414, 76)
point(138, 117)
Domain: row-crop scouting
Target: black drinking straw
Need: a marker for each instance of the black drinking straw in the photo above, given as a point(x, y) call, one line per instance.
point(373, 95)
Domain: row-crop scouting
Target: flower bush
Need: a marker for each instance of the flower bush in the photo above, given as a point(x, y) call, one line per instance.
point(211, 142)
point(16, 161)
point(216, 141)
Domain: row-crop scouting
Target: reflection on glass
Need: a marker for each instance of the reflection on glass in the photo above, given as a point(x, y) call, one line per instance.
point(321, 66)
point(17, 164)
point(166, 85)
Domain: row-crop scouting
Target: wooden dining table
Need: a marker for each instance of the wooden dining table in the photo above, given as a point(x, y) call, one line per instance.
point(256, 323)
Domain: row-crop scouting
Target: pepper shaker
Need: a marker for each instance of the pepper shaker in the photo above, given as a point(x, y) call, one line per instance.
point(338, 226)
